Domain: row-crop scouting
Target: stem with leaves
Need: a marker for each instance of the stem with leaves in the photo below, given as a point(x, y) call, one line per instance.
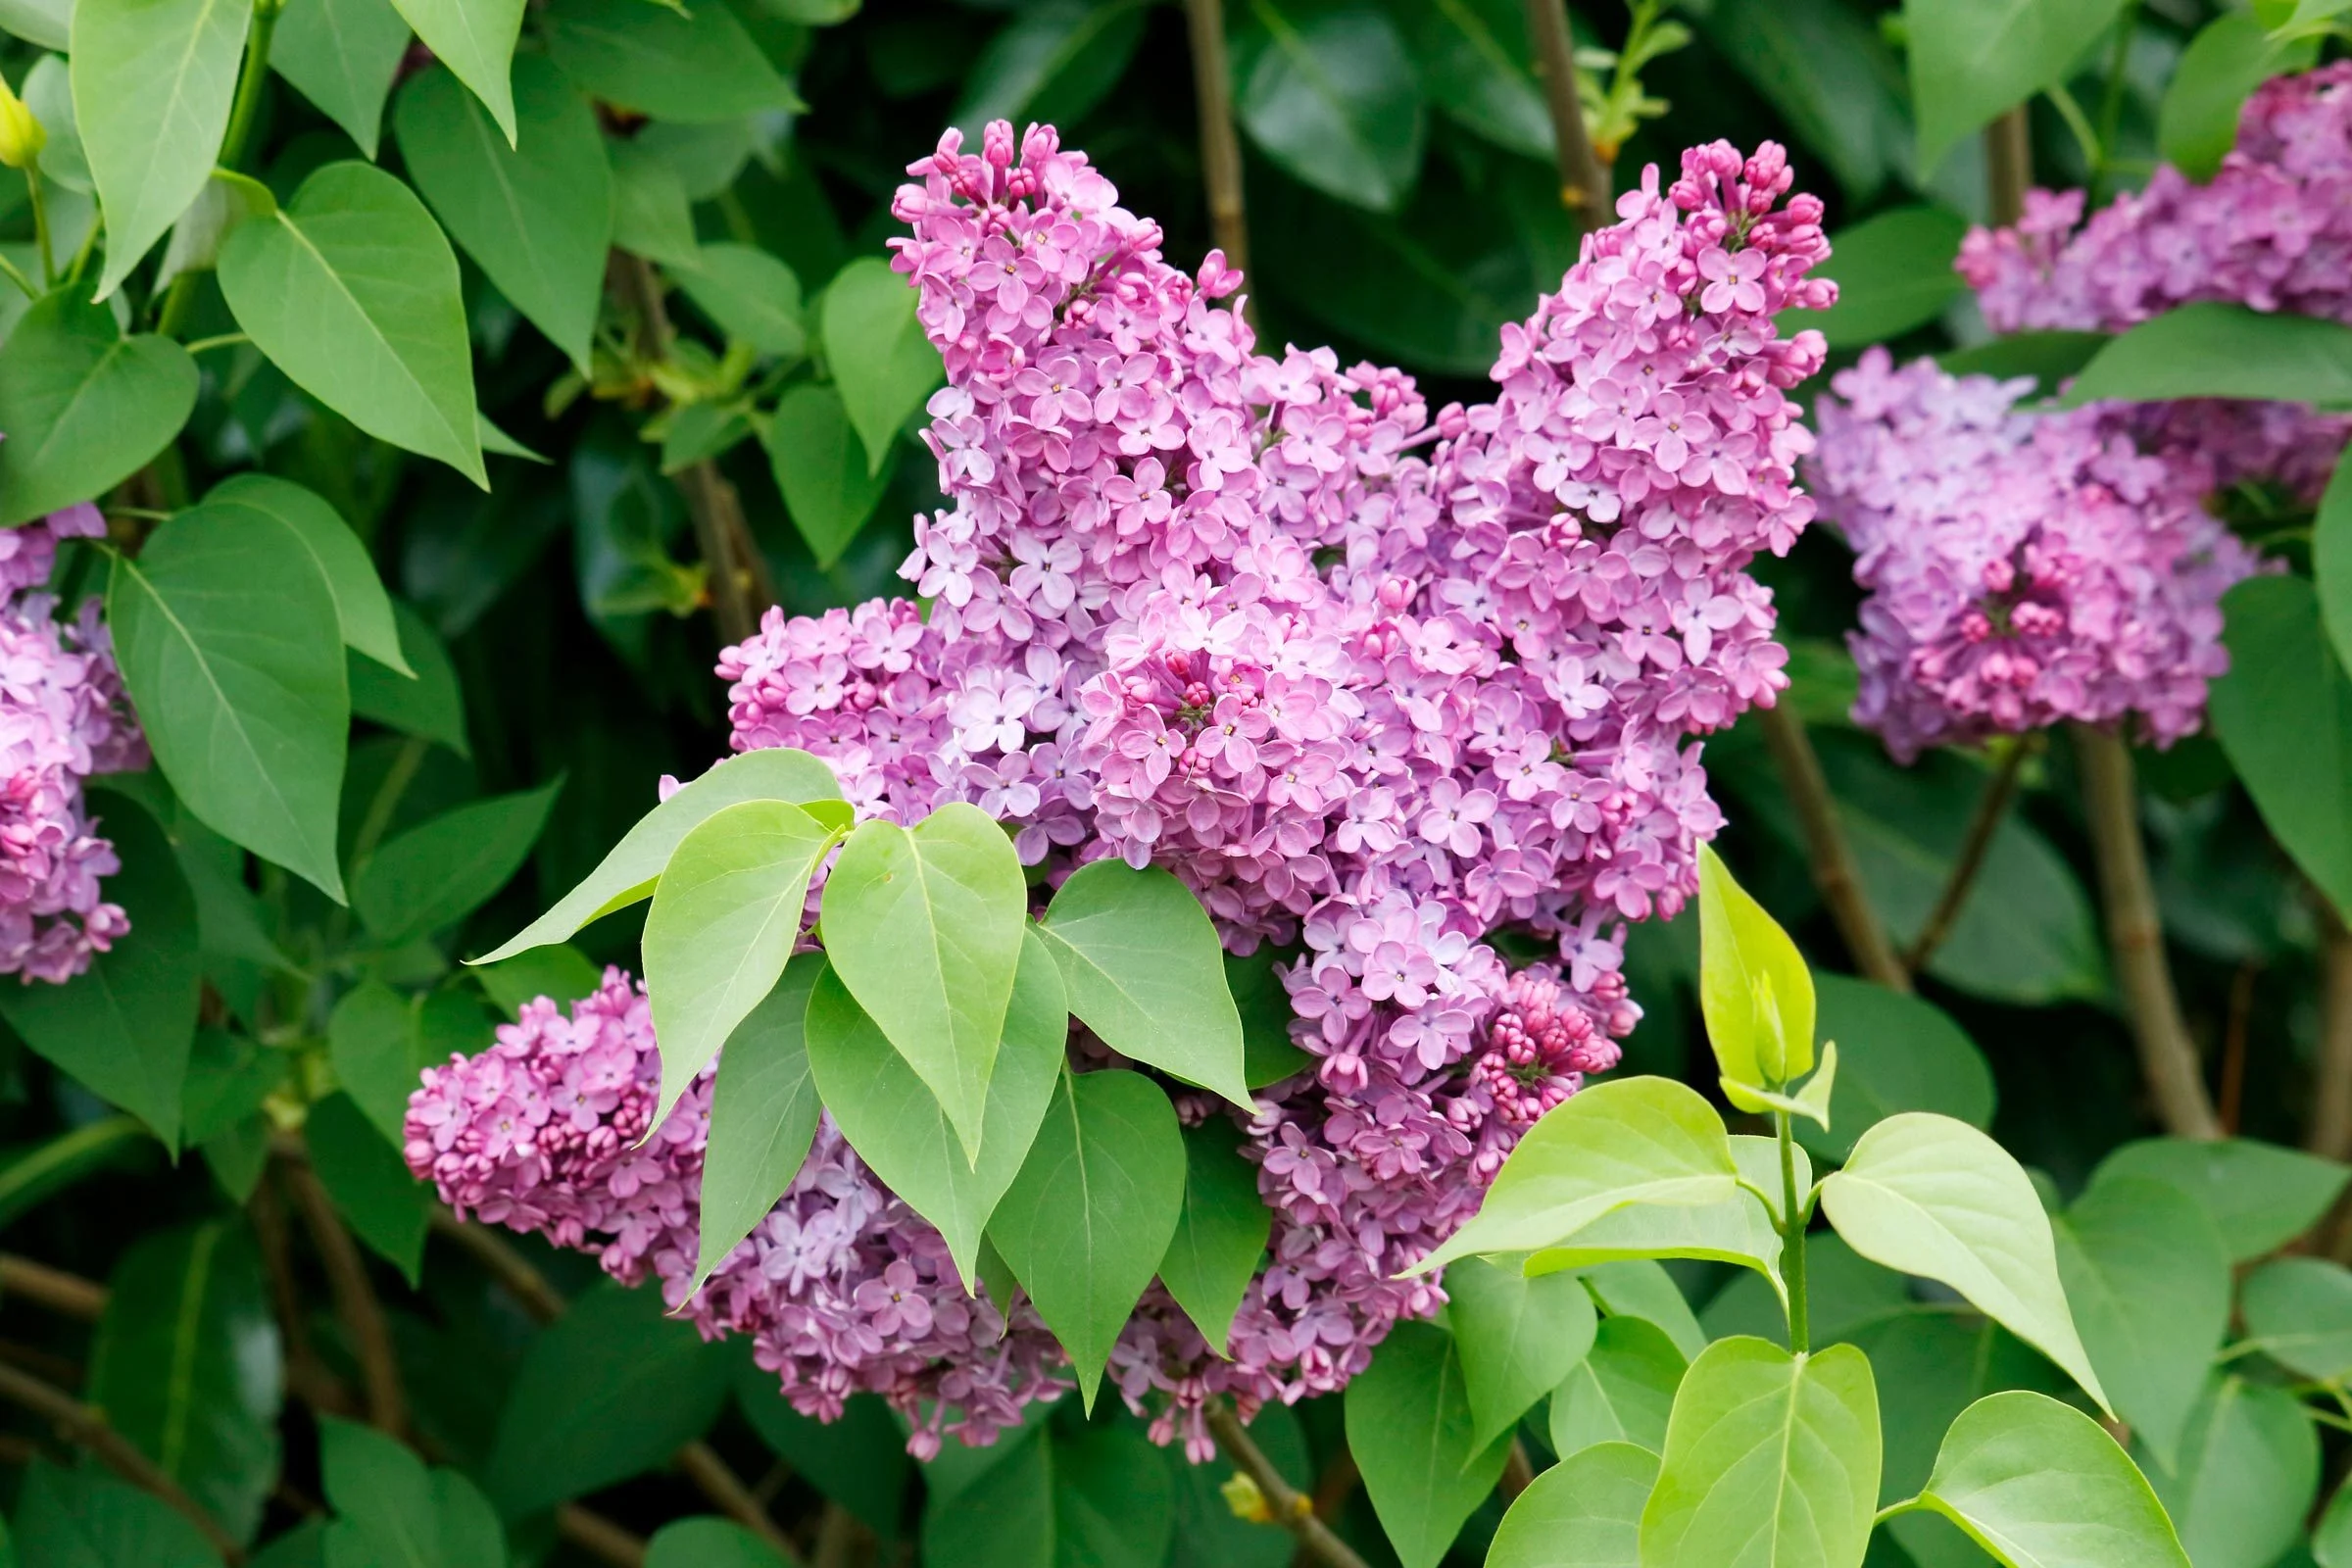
point(1584, 178)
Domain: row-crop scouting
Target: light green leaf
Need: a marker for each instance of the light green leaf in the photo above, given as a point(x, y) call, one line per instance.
point(687, 66)
point(628, 873)
point(1585, 1512)
point(124, 1026)
point(1753, 986)
point(881, 362)
point(1621, 1391)
point(829, 490)
point(84, 1518)
point(1146, 973)
point(1741, 1229)
point(439, 873)
point(726, 913)
point(1517, 1337)
point(1221, 1235)
point(354, 293)
point(153, 81)
point(226, 201)
point(2283, 714)
point(2230, 56)
point(1410, 1429)
point(651, 212)
point(1091, 1214)
point(187, 1367)
point(362, 608)
point(763, 1109)
point(2299, 1311)
point(48, 91)
point(2249, 1472)
point(228, 640)
point(1326, 90)
point(2040, 1486)
point(897, 1126)
point(343, 56)
point(2332, 1538)
point(45, 24)
point(535, 215)
point(1893, 272)
point(709, 1542)
point(84, 407)
point(1052, 62)
point(1812, 1102)
point(1972, 61)
point(753, 298)
point(2213, 350)
point(374, 1042)
point(2148, 1280)
point(2261, 1197)
point(388, 1207)
point(427, 704)
point(1929, 1196)
point(924, 926)
point(1770, 1458)
point(476, 39)
point(1641, 1288)
point(1896, 1052)
point(1630, 1140)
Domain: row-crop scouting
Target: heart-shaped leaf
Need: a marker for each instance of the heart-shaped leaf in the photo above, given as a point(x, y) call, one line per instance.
point(1411, 1432)
point(83, 407)
point(1517, 1337)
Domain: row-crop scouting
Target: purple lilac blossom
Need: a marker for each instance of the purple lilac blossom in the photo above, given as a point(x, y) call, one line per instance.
point(1374, 685)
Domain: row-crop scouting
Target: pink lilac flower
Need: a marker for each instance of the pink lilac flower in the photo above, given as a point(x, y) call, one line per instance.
point(1375, 685)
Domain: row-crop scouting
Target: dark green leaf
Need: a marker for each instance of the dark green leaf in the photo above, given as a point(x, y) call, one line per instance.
point(362, 608)
point(1326, 90)
point(1893, 272)
point(1410, 1429)
point(1051, 61)
point(395, 1511)
point(1621, 1391)
point(363, 1173)
point(1517, 1337)
point(1208, 1534)
point(2212, 350)
point(342, 55)
point(753, 298)
point(651, 215)
point(1473, 60)
point(428, 703)
point(1971, 62)
point(1584, 1513)
point(882, 363)
point(84, 1518)
point(2261, 1197)
point(31, 1175)
point(561, 972)
point(709, 1542)
point(820, 465)
point(2283, 712)
point(476, 39)
point(2050, 357)
point(1896, 1052)
point(83, 406)
point(1268, 1055)
point(687, 66)
point(1003, 1518)
point(1114, 1506)
point(2249, 1470)
point(764, 1111)
point(2331, 560)
point(436, 874)
point(377, 1049)
point(228, 1077)
point(1221, 1236)
point(859, 1460)
point(2230, 56)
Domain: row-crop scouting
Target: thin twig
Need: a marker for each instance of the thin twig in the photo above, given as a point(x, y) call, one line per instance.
point(1220, 145)
point(1290, 1509)
point(2168, 1058)
point(842, 1540)
point(1992, 806)
point(2234, 1046)
point(1826, 851)
point(355, 1302)
point(1518, 1472)
point(52, 1288)
point(2330, 1134)
point(80, 1424)
point(1337, 1484)
point(701, 1464)
point(1583, 178)
point(307, 1378)
point(2008, 165)
point(600, 1537)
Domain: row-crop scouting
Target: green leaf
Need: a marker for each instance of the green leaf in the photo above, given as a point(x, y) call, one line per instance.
point(476, 39)
point(45, 24)
point(2283, 712)
point(388, 1209)
point(354, 293)
point(2148, 1280)
point(651, 214)
point(1630, 1140)
point(434, 875)
point(1896, 1052)
point(1830, 72)
point(1971, 62)
point(764, 1111)
point(726, 914)
point(1641, 1288)
point(228, 1078)
point(2332, 1536)
point(187, 1366)
point(2039, 1485)
point(1753, 986)
point(1473, 61)
point(1414, 1436)
point(2249, 1471)
point(1517, 1337)
point(820, 465)
point(1052, 62)
point(924, 926)
point(1114, 1506)
point(858, 1459)
point(2230, 56)
point(394, 1511)
point(1002, 1518)
point(1220, 1236)
point(363, 610)
point(1893, 272)
point(1926, 1194)
point(1621, 1391)
point(2052, 359)
point(31, 1174)
point(1769, 1458)
point(83, 406)
point(708, 1543)
point(630, 870)
point(1741, 1229)
point(48, 91)
point(1326, 90)
point(882, 363)
point(1268, 1055)
point(2300, 1310)
point(123, 1027)
point(343, 56)
point(2261, 1197)
point(229, 644)
point(1091, 1214)
point(611, 1389)
point(153, 81)
point(1585, 1512)
point(897, 1126)
point(534, 215)
point(2212, 350)
point(1209, 1533)
point(84, 1518)
point(689, 66)
point(2331, 560)
point(374, 1043)
point(1146, 973)
point(562, 973)
point(753, 298)
point(428, 704)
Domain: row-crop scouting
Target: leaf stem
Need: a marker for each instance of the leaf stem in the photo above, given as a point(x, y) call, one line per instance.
point(226, 340)
point(18, 277)
point(1992, 806)
point(2079, 123)
point(41, 225)
point(1291, 1507)
point(1831, 860)
point(1584, 178)
point(2111, 94)
point(1792, 1240)
point(253, 81)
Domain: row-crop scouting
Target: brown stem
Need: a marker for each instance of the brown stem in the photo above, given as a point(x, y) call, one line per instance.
point(1220, 146)
point(600, 1537)
point(51, 1288)
point(1583, 178)
point(1518, 1472)
point(86, 1428)
point(842, 1541)
point(2168, 1058)
point(1826, 849)
point(1290, 1509)
point(2234, 1047)
point(307, 1378)
point(2331, 1132)
point(2008, 165)
point(1336, 1483)
point(701, 1464)
point(1992, 806)
point(361, 1313)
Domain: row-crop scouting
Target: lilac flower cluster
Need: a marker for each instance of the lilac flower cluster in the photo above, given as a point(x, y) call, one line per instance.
point(62, 716)
point(1375, 685)
point(2024, 569)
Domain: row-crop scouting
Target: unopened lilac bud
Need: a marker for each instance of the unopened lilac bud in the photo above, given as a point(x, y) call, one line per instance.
point(21, 137)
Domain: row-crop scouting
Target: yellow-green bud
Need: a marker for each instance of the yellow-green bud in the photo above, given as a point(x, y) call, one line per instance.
point(21, 137)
